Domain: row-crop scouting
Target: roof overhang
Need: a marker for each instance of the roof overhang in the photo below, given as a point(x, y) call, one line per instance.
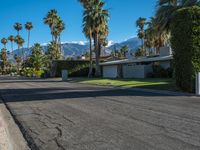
point(138, 60)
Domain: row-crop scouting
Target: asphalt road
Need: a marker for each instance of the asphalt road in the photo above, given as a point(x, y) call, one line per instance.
point(56, 115)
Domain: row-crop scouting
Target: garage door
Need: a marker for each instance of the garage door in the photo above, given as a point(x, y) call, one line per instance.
point(110, 71)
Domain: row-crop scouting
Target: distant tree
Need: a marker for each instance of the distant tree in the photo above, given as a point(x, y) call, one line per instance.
point(140, 23)
point(124, 50)
point(18, 27)
point(20, 41)
point(140, 52)
point(4, 41)
point(11, 38)
point(3, 56)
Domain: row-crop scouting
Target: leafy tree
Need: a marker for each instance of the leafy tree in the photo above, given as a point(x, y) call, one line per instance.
point(37, 57)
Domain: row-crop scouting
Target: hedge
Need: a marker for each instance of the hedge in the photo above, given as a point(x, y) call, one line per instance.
point(185, 40)
point(76, 68)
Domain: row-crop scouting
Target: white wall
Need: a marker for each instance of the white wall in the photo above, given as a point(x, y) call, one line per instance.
point(136, 71)
point(133, 71)
point(110, 71)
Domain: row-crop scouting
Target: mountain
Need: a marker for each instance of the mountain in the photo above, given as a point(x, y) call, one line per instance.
point(73, 49)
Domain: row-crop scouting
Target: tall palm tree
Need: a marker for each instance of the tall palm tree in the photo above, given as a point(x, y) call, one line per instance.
point(4, 41)
point(56, 26)
point(18, 27)
point(140, 23)
point(29, 27)
point(98, 16)
point(88, 32)
point(20, 41)
point(51, 20)
point(166, 9)
point(11, 38)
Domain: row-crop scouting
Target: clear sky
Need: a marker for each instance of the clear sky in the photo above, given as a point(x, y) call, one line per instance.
point(123, 15)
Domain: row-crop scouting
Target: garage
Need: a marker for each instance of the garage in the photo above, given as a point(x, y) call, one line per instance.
point(110, 71)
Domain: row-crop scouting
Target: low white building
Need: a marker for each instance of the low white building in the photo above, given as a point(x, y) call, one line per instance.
point(136, 67)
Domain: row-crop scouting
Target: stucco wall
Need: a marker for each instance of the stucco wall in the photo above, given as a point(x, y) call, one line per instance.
point(110, 71)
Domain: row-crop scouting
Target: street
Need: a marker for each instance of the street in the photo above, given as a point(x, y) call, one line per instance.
point(55, 115)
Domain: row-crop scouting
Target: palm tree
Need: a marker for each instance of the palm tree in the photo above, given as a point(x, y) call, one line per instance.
point(18, 27)
point(140, 23)
point(53, 51)
point(167, 8)
point(56, 26)
point(28, 27)
point(96, 17)
point(51, 20)
point(154, 37)
point(11, 38)
point(4, 58)
point(4, 41)
point(88, 31)
point(20, 41)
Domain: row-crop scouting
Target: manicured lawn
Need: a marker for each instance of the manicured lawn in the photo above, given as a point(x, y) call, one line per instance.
point(150, 83)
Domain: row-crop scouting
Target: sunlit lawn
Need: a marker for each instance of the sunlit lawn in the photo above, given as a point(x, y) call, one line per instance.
point(150, 83)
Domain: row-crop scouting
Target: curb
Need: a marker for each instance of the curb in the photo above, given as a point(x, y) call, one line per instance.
point(15, 137)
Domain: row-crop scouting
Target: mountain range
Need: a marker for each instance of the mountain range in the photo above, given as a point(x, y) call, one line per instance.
point(74, 49)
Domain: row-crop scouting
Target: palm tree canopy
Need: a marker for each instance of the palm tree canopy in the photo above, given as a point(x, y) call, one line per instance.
point(11, 38)
point(19, 40)
point(141, 23)
point(18, 26)
point(167, 8)
point(29, 26)
point(4, 41)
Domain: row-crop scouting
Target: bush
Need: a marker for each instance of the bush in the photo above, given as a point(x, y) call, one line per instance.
point(75, 68)
point(185, 40)
point(160, 72)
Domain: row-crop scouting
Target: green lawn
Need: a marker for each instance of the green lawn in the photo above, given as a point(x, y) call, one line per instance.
point(150, 83)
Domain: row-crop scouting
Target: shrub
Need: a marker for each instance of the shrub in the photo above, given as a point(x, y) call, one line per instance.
point(76, 68)
point(185, 40)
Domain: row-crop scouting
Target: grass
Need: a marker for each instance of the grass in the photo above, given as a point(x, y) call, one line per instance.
point(149, 83)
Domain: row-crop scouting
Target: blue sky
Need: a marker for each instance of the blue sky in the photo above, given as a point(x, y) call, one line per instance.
point(122, 22)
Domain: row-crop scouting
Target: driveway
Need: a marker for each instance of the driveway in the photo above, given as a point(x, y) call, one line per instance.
point(56, 115)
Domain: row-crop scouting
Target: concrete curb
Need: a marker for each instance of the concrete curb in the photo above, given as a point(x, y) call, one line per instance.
point(15, 137)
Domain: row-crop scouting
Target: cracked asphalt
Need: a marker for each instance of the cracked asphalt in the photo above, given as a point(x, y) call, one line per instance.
point(56, 115)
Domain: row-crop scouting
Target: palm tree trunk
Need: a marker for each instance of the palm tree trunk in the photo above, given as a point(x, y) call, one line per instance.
point(91, 64)
point(12, 47)
point(97, 51)
point(28, 45)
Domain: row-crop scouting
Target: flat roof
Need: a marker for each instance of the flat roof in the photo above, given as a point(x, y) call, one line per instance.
point(138, 60)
